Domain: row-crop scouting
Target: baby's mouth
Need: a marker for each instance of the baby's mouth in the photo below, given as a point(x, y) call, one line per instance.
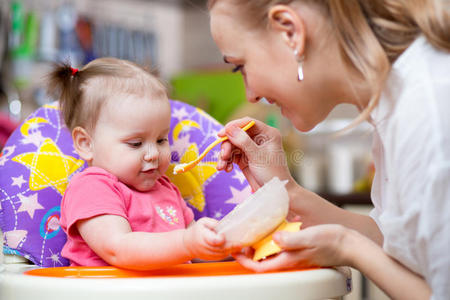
point(149, 169)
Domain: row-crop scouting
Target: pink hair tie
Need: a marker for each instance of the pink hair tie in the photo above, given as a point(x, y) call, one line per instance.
point(74, 71)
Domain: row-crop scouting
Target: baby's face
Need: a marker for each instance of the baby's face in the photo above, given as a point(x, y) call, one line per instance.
point(130, 140)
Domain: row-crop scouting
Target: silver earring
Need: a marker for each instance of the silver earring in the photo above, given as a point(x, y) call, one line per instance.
point(300, 60)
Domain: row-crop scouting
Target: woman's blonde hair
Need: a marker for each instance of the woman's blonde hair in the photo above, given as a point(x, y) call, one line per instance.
point(371, 33)
point(83, 92)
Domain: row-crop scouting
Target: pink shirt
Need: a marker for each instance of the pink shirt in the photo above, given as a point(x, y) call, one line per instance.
point(96, 192)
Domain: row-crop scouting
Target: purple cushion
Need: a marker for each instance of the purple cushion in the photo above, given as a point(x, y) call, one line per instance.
point(39, 159)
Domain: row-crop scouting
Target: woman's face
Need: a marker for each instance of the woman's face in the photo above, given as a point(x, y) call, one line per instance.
point(269, 67)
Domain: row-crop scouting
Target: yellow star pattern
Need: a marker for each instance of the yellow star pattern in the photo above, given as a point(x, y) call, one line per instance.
point(191, 182)
point(49, 166)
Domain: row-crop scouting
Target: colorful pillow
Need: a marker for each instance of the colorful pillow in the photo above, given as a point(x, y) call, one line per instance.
point(210, 193)
point(39, 159)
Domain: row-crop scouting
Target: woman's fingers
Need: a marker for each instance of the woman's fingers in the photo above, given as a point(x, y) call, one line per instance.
point(258, 152)
point(256, 129)
point(278, 262)
point(293, 217)
point(292, 240)
point(241, 139)
point(246, 262)
point(244, 144)
point(314, 246)
point(225, 151)
point(254, 184)
point(238, 122)
point(282, 261)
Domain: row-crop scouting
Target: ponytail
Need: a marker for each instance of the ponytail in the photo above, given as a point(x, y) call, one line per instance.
point(82, 93)
point(64, 84)
point(433, 19)
point(397, 23)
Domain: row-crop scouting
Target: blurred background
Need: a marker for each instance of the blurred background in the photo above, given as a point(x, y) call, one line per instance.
point(172, 38)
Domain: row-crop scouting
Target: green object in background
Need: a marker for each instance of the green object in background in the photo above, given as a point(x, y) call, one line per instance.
point(272, 120)
point(17, 25)
point(30, 37)
point(16, 16)
point(218, 93)
point(23, 43)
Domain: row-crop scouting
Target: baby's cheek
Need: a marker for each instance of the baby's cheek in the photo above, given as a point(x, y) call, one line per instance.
point(164, 160)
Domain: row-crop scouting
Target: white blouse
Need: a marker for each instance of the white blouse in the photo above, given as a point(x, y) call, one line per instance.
point(411, 148)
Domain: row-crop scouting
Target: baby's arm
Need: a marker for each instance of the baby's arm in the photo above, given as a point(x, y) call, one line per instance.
point(111, 238)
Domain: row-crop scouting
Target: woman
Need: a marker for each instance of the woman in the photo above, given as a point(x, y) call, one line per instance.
point(391, 59)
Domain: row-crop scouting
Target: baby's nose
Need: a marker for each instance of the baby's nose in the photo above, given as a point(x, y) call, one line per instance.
point(151, 153)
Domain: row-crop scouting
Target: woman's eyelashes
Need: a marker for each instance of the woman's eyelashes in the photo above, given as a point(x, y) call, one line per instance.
point(238, 68)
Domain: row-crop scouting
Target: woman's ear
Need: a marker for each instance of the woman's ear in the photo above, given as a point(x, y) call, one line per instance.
point(290, 24)
point(83, 143)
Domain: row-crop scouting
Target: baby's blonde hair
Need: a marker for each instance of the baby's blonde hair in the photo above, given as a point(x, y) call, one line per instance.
point(82, 93)
point(371, 33)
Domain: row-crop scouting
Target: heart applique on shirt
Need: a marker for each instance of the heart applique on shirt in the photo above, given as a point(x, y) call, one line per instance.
point(169, 215)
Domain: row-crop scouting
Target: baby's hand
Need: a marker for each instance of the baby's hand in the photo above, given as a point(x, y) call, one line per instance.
point(203, 242)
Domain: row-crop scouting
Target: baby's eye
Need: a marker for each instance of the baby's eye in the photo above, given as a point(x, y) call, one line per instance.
point(134, 144)
point(162, 141)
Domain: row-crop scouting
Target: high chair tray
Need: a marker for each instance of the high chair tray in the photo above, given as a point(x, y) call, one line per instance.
point(225, 280)
point(184, 270)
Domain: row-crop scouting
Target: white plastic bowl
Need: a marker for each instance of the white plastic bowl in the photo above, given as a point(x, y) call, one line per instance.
point(257, 216)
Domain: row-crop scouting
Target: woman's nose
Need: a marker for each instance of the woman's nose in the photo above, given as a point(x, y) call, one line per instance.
point(151, 153)
point(252, 97)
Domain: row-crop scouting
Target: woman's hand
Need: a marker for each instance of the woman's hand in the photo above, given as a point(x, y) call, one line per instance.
point(335, 245)
point(258, 152)
point(203, 242)
point(322, 245)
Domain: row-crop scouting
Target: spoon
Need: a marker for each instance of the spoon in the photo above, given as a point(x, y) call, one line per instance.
point(181, 168)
